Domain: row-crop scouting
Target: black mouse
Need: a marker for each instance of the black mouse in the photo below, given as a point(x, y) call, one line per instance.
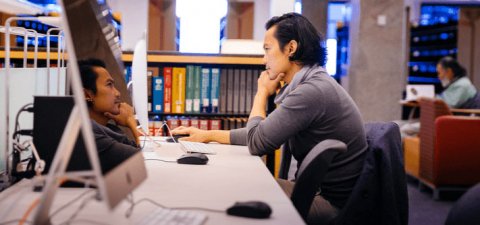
point(251, 209)
point(176, 137)
point(193, 158)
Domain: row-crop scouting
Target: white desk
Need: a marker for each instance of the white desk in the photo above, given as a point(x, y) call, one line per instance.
point(230, 175)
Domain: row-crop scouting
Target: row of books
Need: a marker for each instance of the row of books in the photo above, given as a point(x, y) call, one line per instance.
point(157, 127)
point(196, 89)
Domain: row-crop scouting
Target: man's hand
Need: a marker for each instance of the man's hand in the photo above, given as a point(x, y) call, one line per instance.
point(196, 134)
point(267, 85)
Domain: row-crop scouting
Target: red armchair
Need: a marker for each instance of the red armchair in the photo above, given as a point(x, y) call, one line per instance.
point(449, 148)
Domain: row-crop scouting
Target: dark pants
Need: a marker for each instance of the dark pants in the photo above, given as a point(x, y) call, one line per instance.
point(321, 211)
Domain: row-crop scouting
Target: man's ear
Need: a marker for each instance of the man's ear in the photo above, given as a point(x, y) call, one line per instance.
point(292, 47)
point(88, 94)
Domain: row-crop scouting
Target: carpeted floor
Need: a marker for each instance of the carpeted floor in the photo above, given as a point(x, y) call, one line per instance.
point(423, 210)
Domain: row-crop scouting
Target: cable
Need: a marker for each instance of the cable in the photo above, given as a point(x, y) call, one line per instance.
point(83, 221)
point(29, 210)
point(162, 160)
point(14, 221)
point(70, 203)
point(129, 211)
point(84, 203)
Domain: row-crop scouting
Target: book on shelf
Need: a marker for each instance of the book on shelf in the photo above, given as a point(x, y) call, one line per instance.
point(205, 91)
point(197, 84)
point(167, 90)
point(236, 91)
point(195, 122)
point(249, 90)
point(190, 89)
point(223, 90)
point(230, 84)
point(203, 124)
point(215, 124)
point(178, 90)
point(215, 89)
point(157, 94)
point(242, 91)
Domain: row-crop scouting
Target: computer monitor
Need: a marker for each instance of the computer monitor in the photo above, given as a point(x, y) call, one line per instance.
point(89, 35)
point(139, 84)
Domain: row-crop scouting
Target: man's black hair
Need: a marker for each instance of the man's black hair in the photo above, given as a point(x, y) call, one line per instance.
point(448, 62)
point(88, 75)
point(311, 44)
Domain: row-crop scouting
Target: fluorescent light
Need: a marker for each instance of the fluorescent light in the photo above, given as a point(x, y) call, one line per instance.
point(20, 7)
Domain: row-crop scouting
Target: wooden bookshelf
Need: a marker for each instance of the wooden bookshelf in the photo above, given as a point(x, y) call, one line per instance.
point(158, 57)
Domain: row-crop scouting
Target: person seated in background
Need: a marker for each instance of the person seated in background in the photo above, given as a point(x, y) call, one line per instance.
point(104, 107)
point(458, 89)
point(312, 107)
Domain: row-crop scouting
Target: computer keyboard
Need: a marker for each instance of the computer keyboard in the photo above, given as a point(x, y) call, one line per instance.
point(161, 216)
point(198, 147)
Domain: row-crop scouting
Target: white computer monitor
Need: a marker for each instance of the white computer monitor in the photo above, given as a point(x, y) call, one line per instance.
point(139, 84)
point(88, 35)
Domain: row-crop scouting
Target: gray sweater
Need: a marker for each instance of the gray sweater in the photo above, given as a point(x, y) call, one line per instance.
point(312, 108)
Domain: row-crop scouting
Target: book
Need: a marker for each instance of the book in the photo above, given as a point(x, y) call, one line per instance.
point(249, 90)
point(205, 91)
point(157, 94)
point(195, 122)
point(215, 124)
point(230, 84)
point(203, 124)
point(189, 89)
point(242, 92)
point(236, 91)
point(167, 89)
point(178, 89)
point(223, 91)
point(214, 89)
point(197, 84)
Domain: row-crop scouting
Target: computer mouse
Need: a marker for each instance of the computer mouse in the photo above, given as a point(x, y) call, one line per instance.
point(193, 158)
point(251, 209)
point(176, 137)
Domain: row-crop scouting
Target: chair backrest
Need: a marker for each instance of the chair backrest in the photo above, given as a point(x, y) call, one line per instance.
point(466, 210)
point(311, 173)
point(380, 194)
point(430, 109)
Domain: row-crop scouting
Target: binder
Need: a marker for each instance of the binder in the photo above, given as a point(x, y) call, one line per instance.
point(167, 90)
point(242, 93)
point(190, 89)
point(157, 94)
point(236, 91)
point(178, 90)
point(223, 91)
point(249, 90)
point(205, 91)
point(215, 89)
point(230, 80)
point(197, 89)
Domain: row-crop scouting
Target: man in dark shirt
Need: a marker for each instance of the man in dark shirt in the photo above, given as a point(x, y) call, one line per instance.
point(104, 106)
point(311, 107)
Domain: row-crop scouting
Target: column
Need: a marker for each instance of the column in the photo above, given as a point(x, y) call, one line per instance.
point(317, 13)
point(378, 56)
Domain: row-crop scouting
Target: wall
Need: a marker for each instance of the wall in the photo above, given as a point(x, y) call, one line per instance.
point(469, 43)
point(134, 20)
point(161, 25)
point(377, 73)
point(240, 20)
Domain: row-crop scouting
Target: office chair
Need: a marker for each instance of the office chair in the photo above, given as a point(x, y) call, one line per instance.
point(465, 210)
point(380, 193)
point(311, 172)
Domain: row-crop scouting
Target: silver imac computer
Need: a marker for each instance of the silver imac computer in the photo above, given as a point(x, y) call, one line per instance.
point(89, 35)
